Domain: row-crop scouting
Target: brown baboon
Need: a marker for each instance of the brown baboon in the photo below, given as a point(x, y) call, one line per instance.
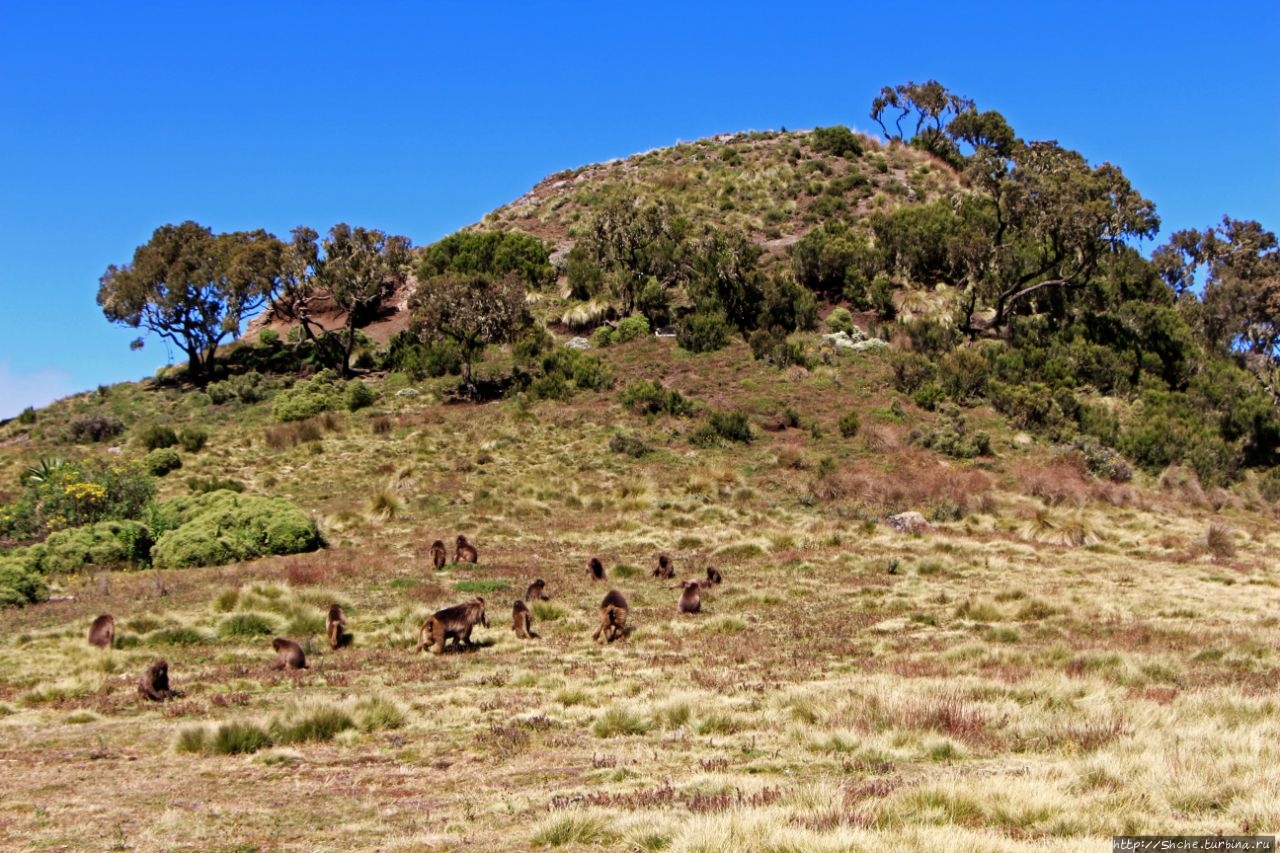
point(290, 654)
point(666, 569)
point(596, 568)
point(438, 555)
point(522, 621)
point(691, 598)
point(464, 551)
point(453, 622)
point(537, 591)
point(713, 576)
point(613, 616)
point(336, 628)
point(102, 633)
point(154, 684)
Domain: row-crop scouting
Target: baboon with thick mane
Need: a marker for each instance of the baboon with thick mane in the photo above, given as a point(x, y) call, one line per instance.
point(713, 576)
point(289, 653)
point(666, 569)
point(596, 568)
point(464, 551)
point(154, 683)
point(336, 627)
point(522, 621)
point(537, 591)
point(102, 633)
point(438, 555)
point(453, 623)
point(691, 598)
point(613, 616)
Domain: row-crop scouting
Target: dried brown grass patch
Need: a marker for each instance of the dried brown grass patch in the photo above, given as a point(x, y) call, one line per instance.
point(909, 481)
point(1062, 480)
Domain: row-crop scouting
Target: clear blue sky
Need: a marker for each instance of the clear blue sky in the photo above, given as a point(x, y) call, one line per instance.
point(419, 117)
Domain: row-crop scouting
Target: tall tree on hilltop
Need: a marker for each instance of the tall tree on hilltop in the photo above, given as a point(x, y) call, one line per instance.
point(193, 288)
point(1240, 309)
point(359, 268)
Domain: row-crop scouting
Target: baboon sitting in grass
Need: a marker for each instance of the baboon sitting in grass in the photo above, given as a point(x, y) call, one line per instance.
point(691, 598)
point(596, 568)
point(613, 616)
point(713, 576)
point(453, 623)
point(102, 633)
point(537, 591)
point(438, 555)
point(289, 654)
point(666, 569)
point(522, 620)
point(464, 551)
point(154, 684)
point(336, 628)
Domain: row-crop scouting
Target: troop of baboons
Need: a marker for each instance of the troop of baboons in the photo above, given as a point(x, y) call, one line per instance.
point(450, 623)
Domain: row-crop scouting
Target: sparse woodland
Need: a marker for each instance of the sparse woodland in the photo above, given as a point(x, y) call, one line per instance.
point(752, 353)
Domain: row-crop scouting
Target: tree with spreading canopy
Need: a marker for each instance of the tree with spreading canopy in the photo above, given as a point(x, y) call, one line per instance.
point(359, 268)
point(470, 311)
point(193, 288)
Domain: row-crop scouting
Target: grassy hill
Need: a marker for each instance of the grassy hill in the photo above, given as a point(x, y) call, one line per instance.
point(1059, 657)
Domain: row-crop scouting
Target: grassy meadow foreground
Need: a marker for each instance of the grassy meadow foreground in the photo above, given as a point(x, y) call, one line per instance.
point(1057, 660)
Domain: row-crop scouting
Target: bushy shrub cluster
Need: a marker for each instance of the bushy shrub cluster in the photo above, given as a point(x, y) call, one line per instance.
point(106, 544)
point(246, 388)
point(703, 332)
point(838, 140)
point(723, 426)
point(161, 461)
point(359, 395)
point(21, 583)
point(566, 370)
point(324, 392)
point(96, 427)
point(630, 328)
point(223, 527)
point(59, 494)
point(951, 436)
point(630, 445)
point(157, 436)
point(651, 397)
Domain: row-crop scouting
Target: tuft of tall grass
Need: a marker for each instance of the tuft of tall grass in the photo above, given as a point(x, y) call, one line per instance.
point(617, 720)
point(247, 625)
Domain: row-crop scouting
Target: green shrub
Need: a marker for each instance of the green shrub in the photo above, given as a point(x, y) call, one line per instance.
point(730, 426)
point(322, 393)
point(603, 337)
point(193, 439)
point(620, 721)
point(245, 388)
point(849, 424)
point(838, 140)
point(585, 371)
point(703, 332)
point(106, 544)
point(94, 427)
point(157, 436)
point(632, 327)
point(203, 485)
point(963, 374)
point(20, 582)
point(952, 437)
point(911, 371)
point(929, 396)
point(161, 461)
point(840, 320)
point(222, 527)
point(359, 396)
point(181, 636)
point(375, 713)
point(651, 397)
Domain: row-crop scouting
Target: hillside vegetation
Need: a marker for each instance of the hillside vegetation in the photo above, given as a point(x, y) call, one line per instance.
point(1075, 638)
